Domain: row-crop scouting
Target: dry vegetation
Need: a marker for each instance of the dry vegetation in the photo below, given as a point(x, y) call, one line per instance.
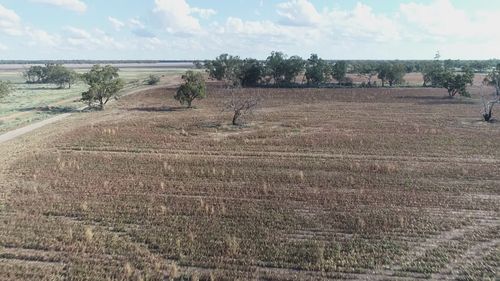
point(363, 184)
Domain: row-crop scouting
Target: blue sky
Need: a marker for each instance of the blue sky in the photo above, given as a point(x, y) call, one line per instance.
point(200, 29)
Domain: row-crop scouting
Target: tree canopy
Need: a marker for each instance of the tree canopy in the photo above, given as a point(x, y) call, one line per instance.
point(317, 70)
point(51, 74)
point(193, 88)
point(104, 82)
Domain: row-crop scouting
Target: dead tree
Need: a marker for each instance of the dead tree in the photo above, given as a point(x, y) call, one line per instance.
point(487, 105)
point(240, 105)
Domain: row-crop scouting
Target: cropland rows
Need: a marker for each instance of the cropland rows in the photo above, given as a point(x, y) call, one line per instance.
point(362, 184)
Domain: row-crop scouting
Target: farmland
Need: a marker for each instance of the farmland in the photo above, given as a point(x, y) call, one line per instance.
point(35, 102)
point(361, 184)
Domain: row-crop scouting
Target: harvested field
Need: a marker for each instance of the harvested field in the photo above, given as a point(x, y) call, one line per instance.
point(360, 184)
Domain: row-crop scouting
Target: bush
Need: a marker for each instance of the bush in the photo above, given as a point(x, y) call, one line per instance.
point(153, 80)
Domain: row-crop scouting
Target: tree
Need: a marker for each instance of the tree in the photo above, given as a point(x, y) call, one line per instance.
point(240, 105)
point(339, 71)
point(152, 80)
point(193, 88)
point(34, 74)
point(434, 74)
point(293, 66)
point(383, 72)
point(51, 73)
point(276, 67)
point(457, 83)
point(223, 67)
point(366, 70)
point(317, 70)
point(104, 82)
point(5, 89)
point(284, 70)
point(249, 73)
point(396, 74)
point(61, 76)
point(493, 79)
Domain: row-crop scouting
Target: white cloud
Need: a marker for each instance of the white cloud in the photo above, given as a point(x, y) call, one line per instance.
point(10, 22)
point(81, 38)
point(443, 22)
point(439, 18)
point(117, 24)
point(73, 5)
point(363, 24)
point(360, 23)
point(299, 12)
point(178, 16)
point(42, 37)
point(135, 23)
point(3, 47)
point(204, 13)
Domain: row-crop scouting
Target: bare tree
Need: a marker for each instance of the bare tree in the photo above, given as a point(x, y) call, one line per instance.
point(487, 105)
point(493, 79)
point(240, 104)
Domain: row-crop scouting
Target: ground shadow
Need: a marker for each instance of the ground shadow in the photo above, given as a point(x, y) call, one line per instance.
point(436, 100)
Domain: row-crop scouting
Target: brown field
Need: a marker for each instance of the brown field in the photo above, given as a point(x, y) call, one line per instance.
point(361, 184)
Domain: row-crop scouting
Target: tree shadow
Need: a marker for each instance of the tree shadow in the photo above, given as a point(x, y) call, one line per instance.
point(157, 109)
point(50, 109)
point(44, 88)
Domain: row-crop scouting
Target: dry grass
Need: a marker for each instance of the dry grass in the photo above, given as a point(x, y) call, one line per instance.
point(369, 184)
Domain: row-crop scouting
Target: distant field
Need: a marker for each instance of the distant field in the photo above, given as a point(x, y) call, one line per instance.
point(322, 184)
point(31, 103)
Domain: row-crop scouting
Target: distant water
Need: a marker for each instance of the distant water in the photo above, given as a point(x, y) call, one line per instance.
point(119, 65)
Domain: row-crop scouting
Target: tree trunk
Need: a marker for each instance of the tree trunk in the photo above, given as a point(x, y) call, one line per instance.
point(237, 115)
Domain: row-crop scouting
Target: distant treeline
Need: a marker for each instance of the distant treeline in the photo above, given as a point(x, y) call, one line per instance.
point(411, 65)
point(93, 62)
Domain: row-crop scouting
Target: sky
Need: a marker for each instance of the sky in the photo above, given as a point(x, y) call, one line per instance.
point(203, 29)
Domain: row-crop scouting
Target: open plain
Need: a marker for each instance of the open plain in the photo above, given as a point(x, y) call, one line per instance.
point(319, 184)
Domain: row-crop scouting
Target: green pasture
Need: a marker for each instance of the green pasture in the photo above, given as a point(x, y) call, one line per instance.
point(35, 102)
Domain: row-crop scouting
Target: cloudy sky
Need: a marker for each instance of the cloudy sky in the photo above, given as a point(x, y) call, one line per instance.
point(199, 29)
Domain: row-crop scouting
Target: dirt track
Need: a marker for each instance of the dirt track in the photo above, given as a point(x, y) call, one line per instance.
point(27, 129)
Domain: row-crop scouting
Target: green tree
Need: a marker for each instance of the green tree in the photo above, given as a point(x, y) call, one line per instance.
point(434, 74)
point(34, 74)
point(224, 67)
point(5, 89)
point(367, 71)
point(317, 70)
point(293, 66)
point(275, 65)
point(383, 72)
point(152, 80)
point(396, 74)
point(249, 73)
point(61, 76)
point(339, 71)
point(193, 88)
point(456, 83)
point(104, 84)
